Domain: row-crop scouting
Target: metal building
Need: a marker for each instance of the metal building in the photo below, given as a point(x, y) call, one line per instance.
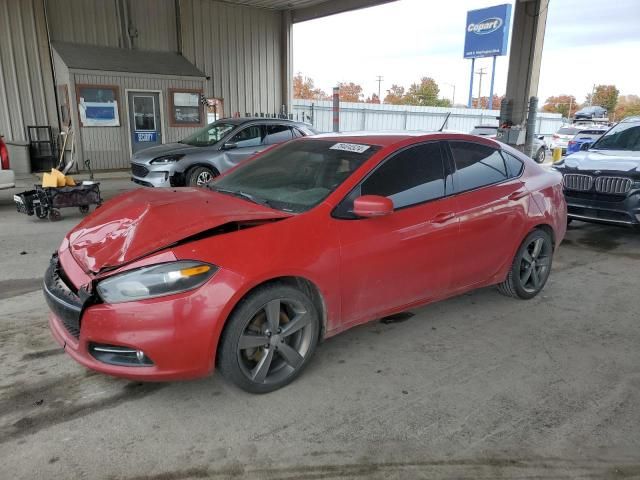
point(235, 55)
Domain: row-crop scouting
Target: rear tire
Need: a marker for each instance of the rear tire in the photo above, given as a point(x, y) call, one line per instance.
point(269, 339)
point(200, 176)
point(531, 267)
point(541, 155)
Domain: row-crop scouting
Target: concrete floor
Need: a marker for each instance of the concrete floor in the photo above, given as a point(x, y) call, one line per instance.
point(477, 387)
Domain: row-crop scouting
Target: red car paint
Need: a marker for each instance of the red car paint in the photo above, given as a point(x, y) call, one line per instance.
point(363, 269)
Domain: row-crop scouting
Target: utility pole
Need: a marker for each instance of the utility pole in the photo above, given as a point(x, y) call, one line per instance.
point(480, 74)
point(379, 79)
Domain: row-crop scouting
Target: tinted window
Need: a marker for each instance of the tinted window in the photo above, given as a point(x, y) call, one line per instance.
point(412, 176)
point(514, 166)
point(277, 134)
point(477, 165)
point(248, 137)
point(297, 133)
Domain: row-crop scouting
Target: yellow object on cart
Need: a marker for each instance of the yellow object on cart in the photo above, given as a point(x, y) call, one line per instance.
point(57, 179)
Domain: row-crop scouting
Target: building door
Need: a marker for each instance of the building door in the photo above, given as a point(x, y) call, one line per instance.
point(144, 120)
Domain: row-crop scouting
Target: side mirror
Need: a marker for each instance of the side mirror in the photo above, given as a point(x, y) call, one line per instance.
point(540, 137)
point(368, 206)
point(229, 146)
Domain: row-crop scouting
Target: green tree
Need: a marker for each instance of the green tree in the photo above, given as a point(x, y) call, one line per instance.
point(605, 96)
point(424, 93)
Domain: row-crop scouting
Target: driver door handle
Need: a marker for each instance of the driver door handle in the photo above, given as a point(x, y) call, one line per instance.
point(518, 194)
point(443, 217)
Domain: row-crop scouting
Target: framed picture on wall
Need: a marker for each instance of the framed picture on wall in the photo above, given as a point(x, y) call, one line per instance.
point(98, 105)
point(185, 107)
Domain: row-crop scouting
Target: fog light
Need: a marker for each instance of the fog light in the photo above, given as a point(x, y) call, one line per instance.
point(117, 355)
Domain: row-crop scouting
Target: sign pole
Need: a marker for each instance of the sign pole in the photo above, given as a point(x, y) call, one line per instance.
point(493, 76)
point(473, 67)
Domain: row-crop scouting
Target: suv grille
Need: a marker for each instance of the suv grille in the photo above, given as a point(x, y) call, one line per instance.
point(614, 185)
point(581, 183)
point(139, 170)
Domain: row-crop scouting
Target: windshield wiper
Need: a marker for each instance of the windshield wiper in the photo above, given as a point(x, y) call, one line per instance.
point(241, 194)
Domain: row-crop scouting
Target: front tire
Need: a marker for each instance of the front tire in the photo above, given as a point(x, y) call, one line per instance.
point(269, 339)
point(531, 267)
point(200, 176)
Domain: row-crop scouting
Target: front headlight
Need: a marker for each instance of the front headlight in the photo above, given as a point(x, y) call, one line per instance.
point(167, 159)
point(155, 281)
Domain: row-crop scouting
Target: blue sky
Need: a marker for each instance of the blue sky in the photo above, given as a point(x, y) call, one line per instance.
point(587, 42)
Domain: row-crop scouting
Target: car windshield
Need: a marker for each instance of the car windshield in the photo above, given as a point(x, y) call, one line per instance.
point(295, 176)
point(624, 136)
point(209, 135)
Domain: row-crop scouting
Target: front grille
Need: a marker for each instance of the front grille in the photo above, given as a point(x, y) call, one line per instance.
point(60, 297)
point(581, 183)
point(139, 170)
point(613, 185)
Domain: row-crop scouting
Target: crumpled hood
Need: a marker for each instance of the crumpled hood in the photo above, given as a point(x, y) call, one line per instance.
point(148, 154)
point(616, 160)
point(146, 220)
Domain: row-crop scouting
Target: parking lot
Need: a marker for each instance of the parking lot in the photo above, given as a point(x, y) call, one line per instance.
point(480, 386)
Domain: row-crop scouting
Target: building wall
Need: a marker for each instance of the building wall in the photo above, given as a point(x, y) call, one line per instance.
point(26, 79)
point(94, 22)
point(240, 49)
point(109, 147)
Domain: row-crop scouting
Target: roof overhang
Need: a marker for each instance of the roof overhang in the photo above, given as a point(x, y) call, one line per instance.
point(303, 10)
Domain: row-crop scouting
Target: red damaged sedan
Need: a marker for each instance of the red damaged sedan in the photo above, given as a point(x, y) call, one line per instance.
point(309, 239)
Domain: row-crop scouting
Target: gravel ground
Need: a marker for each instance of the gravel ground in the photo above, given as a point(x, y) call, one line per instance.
point(479, 386)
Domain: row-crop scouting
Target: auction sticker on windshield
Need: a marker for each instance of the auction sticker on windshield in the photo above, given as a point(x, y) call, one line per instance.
point(350, 147)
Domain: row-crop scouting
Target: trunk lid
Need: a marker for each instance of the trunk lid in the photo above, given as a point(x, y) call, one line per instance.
point(144, 221)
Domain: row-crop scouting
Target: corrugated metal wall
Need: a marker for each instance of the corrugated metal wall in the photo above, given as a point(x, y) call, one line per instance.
point(371, 116)
point(155, 21)
point(108, 147)
point(249, 80)
point(26, 83)
point(95, 22)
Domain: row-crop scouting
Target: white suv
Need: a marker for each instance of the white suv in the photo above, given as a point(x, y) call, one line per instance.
point(7, 177)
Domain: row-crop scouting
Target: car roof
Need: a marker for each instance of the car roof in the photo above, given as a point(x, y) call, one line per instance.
point(386, 138)
point(242, 120)
point(631, 119)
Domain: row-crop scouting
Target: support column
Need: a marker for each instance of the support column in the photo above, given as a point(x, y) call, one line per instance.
point(529, 23)
point(286, 61)
point(473, 67)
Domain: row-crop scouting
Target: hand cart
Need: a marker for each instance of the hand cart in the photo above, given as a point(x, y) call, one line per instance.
point(47, 201)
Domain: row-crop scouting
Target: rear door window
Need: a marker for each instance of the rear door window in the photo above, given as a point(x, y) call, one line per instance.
point(277, 134)
point(477, 166)
point(514, 165)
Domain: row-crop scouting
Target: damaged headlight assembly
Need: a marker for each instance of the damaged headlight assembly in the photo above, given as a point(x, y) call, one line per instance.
point(167, 159)
point(155, 281)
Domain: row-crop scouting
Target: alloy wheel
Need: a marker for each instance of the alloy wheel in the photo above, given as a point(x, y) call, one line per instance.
point(204, 178)
point(275, 341)
point(535, 265)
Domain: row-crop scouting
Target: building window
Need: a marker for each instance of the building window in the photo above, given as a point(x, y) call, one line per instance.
point(98, 105)
point(185, 107)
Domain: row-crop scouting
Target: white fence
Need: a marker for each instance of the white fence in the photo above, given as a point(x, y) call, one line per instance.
point(373, 116)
